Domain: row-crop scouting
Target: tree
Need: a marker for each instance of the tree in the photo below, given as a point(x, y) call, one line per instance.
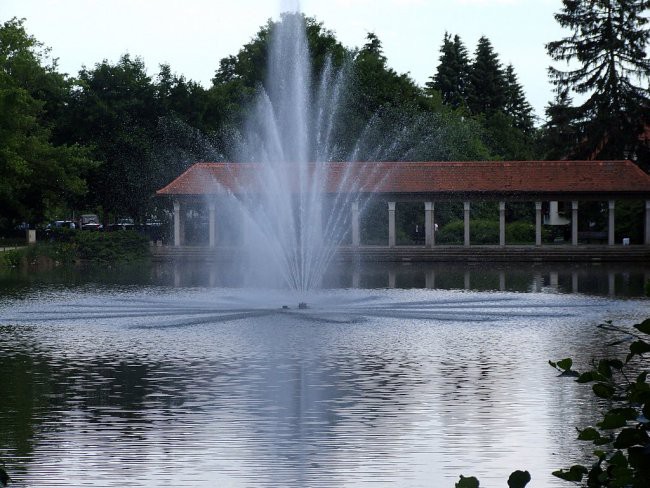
point(607, 49)
point(487, 83)
point(39, 178)
point(560, 133)
point(516, 105)
point(238, 77)
point(116, 111)
point(452, 75)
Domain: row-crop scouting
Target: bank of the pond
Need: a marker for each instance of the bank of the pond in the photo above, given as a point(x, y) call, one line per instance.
point(66, 248)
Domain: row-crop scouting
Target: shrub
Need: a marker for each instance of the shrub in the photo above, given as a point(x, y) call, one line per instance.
point(481, 232)
point(110, 246)
point(80, 245)
point(520, 233)
point(452, 233)
point(11, 258)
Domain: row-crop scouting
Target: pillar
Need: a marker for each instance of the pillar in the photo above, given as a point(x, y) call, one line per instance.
point(611, 283)
point(647, 223)
point(574, 223)
point(177, 223)
point(467, 280)
point(611, 228)
point(466, 208)
point(502, 281)
point(538, 223)
point(212, 229)
point(391, 224)
point(502, 224)
point(356, 235)
point(429, 225)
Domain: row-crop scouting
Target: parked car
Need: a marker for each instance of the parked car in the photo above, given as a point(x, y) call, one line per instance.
point(90, 222)
point(61, 224)
point(122, 224)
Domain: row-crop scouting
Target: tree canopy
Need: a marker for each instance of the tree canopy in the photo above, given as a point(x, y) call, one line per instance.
point(607, 65)
point(39, 177)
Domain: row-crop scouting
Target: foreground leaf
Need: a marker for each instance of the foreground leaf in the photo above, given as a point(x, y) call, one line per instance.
point(519, 479)
point(470, 482)
point(575, 473)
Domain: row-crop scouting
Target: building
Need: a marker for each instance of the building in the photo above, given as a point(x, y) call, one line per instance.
point(205, 184)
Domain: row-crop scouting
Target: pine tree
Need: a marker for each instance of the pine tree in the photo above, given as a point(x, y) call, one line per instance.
point(608, 47)
point(560, 135)
point(452, 75)
point(487, 84)
point(516, 105)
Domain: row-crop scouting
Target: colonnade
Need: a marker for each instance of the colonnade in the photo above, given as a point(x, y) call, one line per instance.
point(429, 223)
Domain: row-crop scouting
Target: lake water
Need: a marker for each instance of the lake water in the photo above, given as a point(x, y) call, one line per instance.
point(176, 376)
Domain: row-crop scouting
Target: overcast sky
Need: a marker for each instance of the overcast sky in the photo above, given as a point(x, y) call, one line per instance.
point(193, 35)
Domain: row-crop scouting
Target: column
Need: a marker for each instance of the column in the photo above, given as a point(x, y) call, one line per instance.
point(502, 224)
point(574, 223)
point(466, 211)
point(177, 223)
point(212, 228)
point(391, 224)
point(467, 280)
point(647, 223)
point(502, 281)
point(429, 225)
point(611, 228)
point(356, 235)
point(538, 223)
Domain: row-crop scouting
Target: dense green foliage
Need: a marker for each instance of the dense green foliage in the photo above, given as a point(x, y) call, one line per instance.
point(609, 66)
point(38, 176)
point(67, 247)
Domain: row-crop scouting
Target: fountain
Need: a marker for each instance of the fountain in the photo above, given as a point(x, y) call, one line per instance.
point(293, 227)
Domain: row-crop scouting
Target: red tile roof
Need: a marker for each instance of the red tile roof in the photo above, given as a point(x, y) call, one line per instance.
point(470, 177)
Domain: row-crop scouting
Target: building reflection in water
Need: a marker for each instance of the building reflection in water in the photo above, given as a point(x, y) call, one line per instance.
point(614, 279)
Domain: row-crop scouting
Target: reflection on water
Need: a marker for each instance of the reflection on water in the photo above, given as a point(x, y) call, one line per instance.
point(149, 385)
point(601, 279)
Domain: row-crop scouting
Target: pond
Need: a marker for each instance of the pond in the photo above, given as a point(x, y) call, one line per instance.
point(175, 375)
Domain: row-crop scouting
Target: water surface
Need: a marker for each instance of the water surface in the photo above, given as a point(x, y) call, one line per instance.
point(107, 383)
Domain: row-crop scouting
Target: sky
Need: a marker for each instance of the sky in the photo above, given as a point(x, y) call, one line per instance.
point(193, 35)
